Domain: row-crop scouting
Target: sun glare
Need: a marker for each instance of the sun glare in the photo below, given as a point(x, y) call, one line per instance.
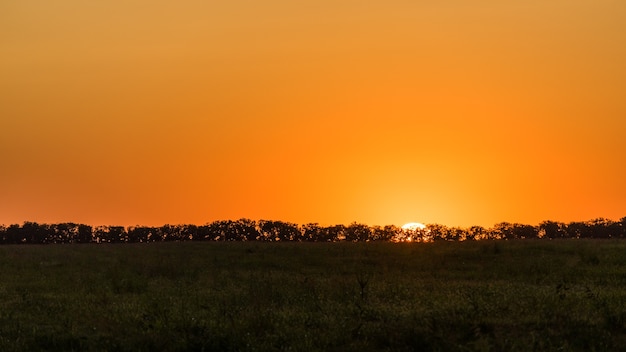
point(413, 226)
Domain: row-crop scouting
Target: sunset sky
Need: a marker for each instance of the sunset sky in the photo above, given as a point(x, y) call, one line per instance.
point(331, 111)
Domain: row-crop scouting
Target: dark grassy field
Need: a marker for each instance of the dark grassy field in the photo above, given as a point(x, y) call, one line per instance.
point(472, 296)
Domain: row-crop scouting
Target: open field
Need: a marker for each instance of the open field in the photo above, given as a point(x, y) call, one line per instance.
point(248, 296)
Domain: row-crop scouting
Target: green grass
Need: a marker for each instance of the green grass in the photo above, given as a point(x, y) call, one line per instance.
point(530, 295)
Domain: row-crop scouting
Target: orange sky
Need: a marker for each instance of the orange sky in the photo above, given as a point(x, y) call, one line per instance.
point(382, 112)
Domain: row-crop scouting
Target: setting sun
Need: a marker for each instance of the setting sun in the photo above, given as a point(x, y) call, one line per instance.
point(412, 226)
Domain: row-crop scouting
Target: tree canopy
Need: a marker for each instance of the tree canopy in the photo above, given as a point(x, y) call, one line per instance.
point(276, 231)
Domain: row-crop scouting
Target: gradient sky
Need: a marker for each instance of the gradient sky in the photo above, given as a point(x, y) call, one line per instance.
point(331, 111)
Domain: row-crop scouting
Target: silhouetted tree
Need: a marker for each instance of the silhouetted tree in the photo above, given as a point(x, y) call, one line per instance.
point(266, 230)
point(85, 234)
point(98, 233)
point(521, 231)
point(14, 234)
point(117, 234)
point(69, 233)
point(292, 231)
point(270, 230)
point(109, 234)
point(33, 232)
point(203, 233)
point(438, 232)
point(456, 234)
point(614, 229)
point(552, 229)
point(279, 231)
point(311, 232)
point(356, 232)
point(578, 229)
point(188, 232)
point(170, 233)
point(245, 230)
point(332, 233)
point(62, 233)
point(142, 234)
point(477, 233)
point(602, 228)
point(219, 231)
point(386, 233)
point(390, 232)
point(622, 226)
point(504, 230)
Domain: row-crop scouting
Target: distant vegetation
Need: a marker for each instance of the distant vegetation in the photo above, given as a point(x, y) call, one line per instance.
point(274, 231)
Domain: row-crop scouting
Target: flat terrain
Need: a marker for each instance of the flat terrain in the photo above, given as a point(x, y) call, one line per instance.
point(447, 296)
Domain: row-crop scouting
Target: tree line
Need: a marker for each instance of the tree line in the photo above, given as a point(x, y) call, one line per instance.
point(274, 231)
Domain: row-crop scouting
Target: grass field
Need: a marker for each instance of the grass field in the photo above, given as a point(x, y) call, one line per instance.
point(447, 296)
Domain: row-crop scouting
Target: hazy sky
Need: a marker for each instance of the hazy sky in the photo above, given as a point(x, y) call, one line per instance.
point(382, 112)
